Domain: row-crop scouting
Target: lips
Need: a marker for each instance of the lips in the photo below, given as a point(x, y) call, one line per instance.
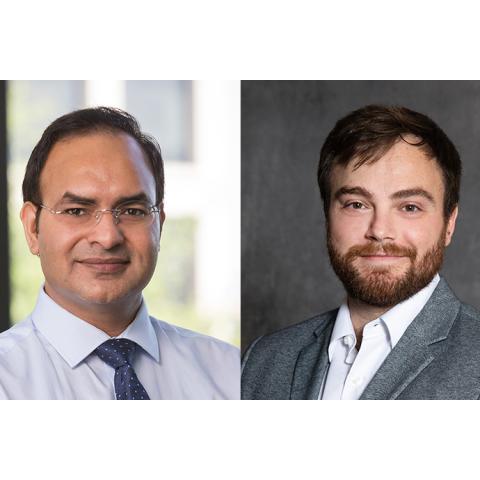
point(386, 252)
point(377, 255)
point(382, 257)
point(105, 265)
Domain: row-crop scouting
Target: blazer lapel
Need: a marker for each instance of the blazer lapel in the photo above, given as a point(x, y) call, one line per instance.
point(312, 363)
point(413, 353)
point(409, 357)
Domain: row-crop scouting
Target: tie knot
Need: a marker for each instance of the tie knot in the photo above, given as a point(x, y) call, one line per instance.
point(116, 352)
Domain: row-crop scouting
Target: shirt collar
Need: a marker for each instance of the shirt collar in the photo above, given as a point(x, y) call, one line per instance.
point(396, 320)
point(343, 328)
point(75, 339)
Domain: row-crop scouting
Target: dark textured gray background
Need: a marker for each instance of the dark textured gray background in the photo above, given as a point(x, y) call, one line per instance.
point(286, 275)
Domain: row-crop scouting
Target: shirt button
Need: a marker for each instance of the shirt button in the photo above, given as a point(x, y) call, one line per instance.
point(348, 341)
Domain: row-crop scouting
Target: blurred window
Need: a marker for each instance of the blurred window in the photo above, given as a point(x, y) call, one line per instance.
point(165, 108)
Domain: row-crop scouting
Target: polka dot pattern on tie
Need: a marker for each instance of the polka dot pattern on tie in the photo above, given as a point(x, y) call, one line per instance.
point(118, 353)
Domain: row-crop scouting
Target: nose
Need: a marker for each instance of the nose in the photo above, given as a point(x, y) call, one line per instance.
point(115, 214)
point(106, 231)
point(381, 227)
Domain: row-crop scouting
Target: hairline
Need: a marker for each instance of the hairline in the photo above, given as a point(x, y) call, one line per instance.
point(375, 155)
point(88, 131)
point(85, 132)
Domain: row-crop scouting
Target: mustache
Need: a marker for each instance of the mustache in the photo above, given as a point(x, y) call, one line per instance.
point(390, 249)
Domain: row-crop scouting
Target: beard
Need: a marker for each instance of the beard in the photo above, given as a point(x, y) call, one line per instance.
point(382, 286)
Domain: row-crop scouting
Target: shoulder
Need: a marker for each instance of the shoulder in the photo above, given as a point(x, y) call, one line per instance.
point(20, 353)
point(212, 365)
point(183, 338)
point(469, 322)
point(280, 350)
point(464, 317)
point(269, 363)
point(469, 312)
point(293, 338)
point(16, 337)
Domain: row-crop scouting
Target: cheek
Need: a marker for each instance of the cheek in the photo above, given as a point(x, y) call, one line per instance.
point(345, 232)
point(144, 246)
point(146, 252)
point(414, 236)
point(57, 244)
point(422, 234)
point(155, 232)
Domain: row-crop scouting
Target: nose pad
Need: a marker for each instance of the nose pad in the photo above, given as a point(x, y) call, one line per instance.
point(115, 215)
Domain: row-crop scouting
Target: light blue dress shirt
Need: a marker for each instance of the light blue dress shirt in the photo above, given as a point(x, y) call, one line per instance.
point(49, 356)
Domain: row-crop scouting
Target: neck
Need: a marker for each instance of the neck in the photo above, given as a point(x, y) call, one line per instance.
point(112, 318)
point(361, 313)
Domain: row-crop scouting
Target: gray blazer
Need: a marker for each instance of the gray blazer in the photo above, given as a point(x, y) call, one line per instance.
point(438, 357)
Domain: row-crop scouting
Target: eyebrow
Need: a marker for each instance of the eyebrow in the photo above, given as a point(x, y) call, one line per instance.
point(353, 191)
point(138, 197)
point(72, 197)
point(413, 192)
point(407, 193)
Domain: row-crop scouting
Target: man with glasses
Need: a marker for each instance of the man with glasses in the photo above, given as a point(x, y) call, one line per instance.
point(93, 213)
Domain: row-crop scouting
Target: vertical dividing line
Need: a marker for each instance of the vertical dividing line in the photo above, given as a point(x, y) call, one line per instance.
point(4, 251)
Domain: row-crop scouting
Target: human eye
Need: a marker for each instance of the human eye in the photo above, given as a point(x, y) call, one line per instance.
point(134, 212)
point(354, 205)
point(411, 208)
point(75, 212)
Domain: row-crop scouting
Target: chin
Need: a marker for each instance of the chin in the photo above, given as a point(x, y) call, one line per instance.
point(105, 295)
point(393, 273)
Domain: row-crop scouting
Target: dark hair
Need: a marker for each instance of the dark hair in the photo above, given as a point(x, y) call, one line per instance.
point(364, 135)
point(81, 122)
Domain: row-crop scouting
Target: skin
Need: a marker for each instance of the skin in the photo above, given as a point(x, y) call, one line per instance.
point(96, 272)
point(398, 200)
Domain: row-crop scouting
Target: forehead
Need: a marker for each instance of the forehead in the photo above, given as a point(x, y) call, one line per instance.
point(99, 165)
point(402, 167)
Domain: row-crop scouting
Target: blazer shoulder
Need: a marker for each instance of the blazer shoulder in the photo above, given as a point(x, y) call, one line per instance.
point(470, 312)
point(269, 363)
point(291, 338)
point(469, 322)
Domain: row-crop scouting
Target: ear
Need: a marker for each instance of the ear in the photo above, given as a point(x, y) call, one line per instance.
point(451, 226)
point(27, 216)
point(161, 215)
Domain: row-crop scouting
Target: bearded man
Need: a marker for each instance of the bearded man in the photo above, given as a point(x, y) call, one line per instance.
point(389, 179)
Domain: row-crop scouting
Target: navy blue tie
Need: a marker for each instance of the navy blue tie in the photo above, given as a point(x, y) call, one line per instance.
point(118, 353)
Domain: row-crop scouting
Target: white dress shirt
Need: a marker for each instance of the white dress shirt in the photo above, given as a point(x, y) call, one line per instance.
point(351, 371)
point(49, 356)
